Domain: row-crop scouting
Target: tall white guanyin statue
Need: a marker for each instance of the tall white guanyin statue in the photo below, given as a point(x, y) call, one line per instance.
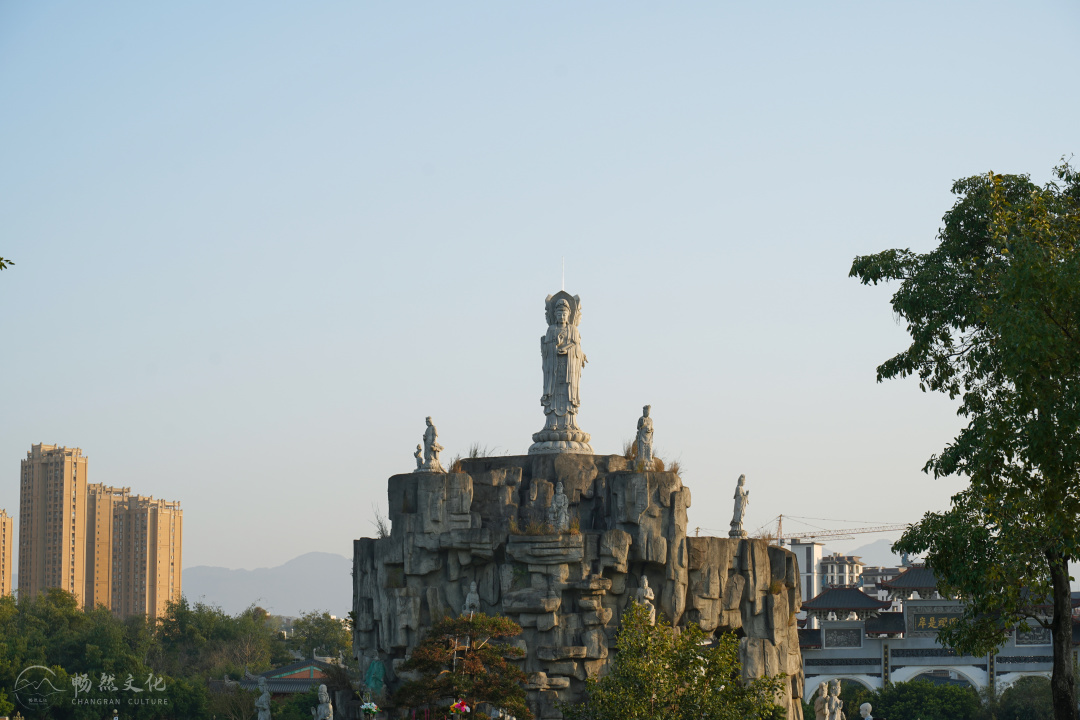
point(562, 360)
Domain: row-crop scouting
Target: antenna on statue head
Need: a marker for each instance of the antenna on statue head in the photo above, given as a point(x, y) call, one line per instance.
point(563, 272)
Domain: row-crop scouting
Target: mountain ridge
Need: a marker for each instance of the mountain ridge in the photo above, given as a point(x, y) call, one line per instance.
point(284, 589)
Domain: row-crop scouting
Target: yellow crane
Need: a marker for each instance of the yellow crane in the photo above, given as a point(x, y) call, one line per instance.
point(834, 534)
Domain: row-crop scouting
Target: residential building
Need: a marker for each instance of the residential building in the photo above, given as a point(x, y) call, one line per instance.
point(100, 543)
point(52, 521)
point(809, 554)
point(840, 570)
point(7, 545)
point(147, 537)
point(101, 503)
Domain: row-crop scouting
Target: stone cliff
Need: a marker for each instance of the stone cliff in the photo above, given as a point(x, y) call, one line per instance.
point(569, 589)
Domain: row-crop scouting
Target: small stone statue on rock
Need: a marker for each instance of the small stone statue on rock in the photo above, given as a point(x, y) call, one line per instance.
point(742, 499)
point(835, 705)
point(419, 455)
point(432, 448)
point(472, 601)
point(645, 596)
point(325, 711)
point(644, 439)
point(821, 702)
point(558, 515)
point(375, 674)
point(263, 703)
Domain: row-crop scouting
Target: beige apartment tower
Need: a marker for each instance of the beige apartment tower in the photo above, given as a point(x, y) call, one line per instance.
point(147, 538)
point(101, 543)
point(52, 521)
point(101, 504)
point(7, 545)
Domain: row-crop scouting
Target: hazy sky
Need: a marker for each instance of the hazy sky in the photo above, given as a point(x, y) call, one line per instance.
point(256, 243)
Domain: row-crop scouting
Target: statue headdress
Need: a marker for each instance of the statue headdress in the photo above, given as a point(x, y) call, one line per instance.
point(574, 301)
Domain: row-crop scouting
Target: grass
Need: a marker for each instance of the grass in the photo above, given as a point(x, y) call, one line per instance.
point(630, 451)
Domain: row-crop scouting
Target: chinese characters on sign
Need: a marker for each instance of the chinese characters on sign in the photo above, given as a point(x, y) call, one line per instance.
point(82, 683)
point(935, 621)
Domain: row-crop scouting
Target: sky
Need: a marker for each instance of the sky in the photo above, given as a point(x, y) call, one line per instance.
point(256, 243)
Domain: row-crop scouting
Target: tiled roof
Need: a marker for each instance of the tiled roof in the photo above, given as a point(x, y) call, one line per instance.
point(844, 598)
point(916, 577)
point(886, 622)
point(297, 667)
point(284, 686)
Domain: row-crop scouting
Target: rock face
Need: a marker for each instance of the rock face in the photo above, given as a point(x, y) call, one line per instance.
point(567, 590)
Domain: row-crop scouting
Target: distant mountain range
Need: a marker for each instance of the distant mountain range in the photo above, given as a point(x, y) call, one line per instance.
point(313, 581)
point(877, 553)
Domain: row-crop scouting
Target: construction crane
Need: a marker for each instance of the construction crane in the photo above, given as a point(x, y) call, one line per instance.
point(834, 534)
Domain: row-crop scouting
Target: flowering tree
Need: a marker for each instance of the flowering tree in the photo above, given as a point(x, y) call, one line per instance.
point(660, 673)
point(466, 658)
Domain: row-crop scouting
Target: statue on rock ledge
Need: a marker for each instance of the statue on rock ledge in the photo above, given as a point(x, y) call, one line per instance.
point(472, 601)
point(558, 515)
point(742, 499)
point(325, 710)
point(835, 706)
point(432, 448)
point(645, 596)
point(644, 439)
point(562, 360)
point(262, 705)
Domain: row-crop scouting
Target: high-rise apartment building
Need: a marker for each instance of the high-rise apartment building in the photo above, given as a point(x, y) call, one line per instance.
point(7, 545)
point(101, 543)
point(52, 520)
point(101, 503)
point(147, 540)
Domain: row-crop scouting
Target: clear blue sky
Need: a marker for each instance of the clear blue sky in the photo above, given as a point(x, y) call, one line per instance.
point(256, 243)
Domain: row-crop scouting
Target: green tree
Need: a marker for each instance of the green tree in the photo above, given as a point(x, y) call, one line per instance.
point(5, 263)
point(1029, 698)
point(317, 632)
point(466, 658)
point(662, 674)
point(915, 699)
point(994, 317)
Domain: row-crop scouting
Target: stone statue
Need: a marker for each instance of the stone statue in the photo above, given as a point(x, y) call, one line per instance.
point(472, 601)
point(864, 710)
point(419, 455)
point(325, 711)
point(644, 439)
point(821, 702)
point(742, 499)
point(562, 360)
point(263, 703)
point(558, 515)
point(835, 706)
point(375, 675)
point(432, 448)
point(645, 596)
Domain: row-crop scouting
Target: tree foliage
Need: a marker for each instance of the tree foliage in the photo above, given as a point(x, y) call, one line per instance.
point(467, 658)
point(916, 699)
point(994, 318)
point(659, 673)
point(317, 632)
point(189, 645)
